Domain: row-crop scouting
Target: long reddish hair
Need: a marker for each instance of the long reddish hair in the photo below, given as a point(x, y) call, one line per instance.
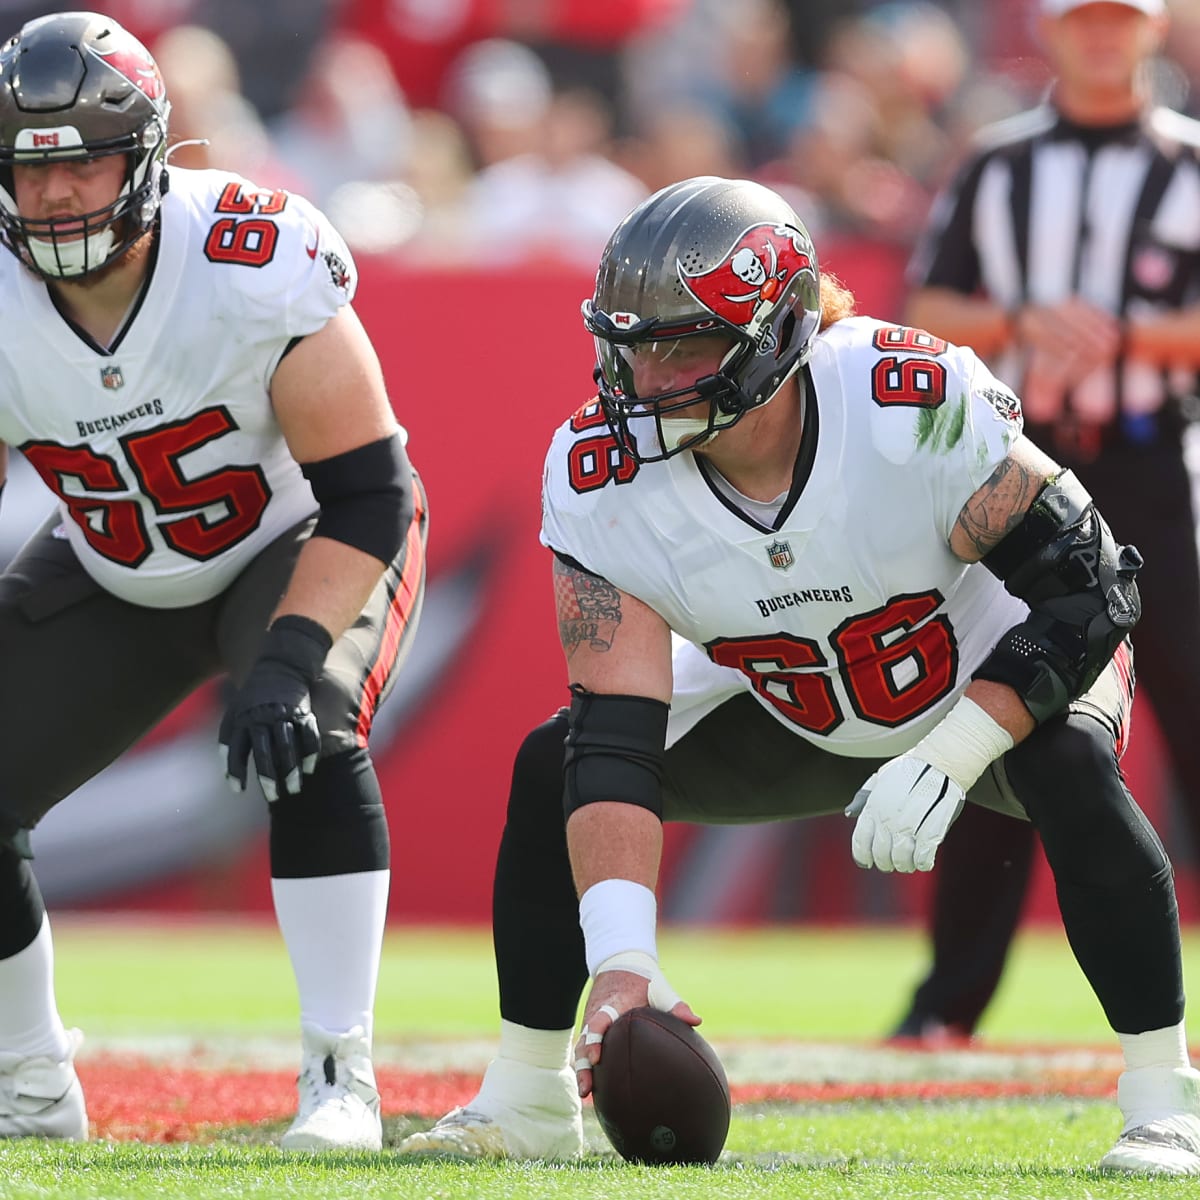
point(837, 300)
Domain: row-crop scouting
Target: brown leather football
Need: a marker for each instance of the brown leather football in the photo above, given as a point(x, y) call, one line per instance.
point(660, 1091)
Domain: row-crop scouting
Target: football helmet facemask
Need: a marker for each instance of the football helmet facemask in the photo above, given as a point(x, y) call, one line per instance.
point(707, 256)
point(77, 85)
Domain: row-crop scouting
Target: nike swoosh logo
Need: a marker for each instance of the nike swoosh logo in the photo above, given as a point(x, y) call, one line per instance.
point(312, 253)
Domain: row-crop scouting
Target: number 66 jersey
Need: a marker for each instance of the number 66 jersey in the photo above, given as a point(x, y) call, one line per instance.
point(169, 466)
point(848, 617)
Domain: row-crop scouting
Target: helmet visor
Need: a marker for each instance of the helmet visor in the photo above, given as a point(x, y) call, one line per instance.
point(648, 366)
point(672, 394)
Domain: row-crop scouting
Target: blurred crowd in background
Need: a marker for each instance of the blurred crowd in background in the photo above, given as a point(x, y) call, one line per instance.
point(483, 133)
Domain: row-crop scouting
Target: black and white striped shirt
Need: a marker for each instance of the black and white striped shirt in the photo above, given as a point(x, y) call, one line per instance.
point(1046, 209)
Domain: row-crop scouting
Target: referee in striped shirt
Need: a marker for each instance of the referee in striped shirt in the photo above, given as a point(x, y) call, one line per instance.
point(1067, 252)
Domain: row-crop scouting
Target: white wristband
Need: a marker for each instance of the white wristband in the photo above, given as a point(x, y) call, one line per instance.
point(636, 962)
point(617, 915)
point(963, 743)
point(660, 993)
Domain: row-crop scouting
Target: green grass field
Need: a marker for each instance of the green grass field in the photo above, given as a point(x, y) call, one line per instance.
point(134, 977)
point(785, 1004)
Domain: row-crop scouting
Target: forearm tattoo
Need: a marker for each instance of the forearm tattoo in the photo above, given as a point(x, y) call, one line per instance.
point(589, 608)
point(1000, 505)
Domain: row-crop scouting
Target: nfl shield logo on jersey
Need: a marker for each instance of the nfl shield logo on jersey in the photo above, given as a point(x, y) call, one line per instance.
point(780, 554)
point(112, 378)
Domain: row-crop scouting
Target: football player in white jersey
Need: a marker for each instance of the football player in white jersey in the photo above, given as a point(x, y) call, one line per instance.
point(805, 562)
point(182, 367)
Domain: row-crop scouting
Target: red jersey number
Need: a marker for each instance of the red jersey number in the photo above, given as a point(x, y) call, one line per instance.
point(895, 666)
point(779, 670)
point(236, 199)
point(249, 242)
point(595, 461)
point(115, 527)
point(916, 382)
point(893, 670)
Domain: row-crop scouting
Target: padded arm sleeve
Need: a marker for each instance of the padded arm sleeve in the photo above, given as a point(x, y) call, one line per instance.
point(1079, 584)
point(615, 747)
point(366, 496)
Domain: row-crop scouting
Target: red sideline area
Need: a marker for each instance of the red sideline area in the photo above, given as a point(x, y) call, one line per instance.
point(138, 1100)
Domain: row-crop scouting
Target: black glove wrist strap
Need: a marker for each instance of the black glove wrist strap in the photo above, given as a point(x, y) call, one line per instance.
point(297, 642)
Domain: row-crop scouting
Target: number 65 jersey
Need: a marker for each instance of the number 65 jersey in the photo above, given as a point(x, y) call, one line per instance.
point(848, 618)
point(163, 449)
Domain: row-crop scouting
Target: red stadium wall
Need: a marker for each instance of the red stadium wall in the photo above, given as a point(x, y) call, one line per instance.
point(482, 367)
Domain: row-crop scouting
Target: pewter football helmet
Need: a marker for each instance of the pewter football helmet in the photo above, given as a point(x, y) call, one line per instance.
point(77, 85)
point(705, 256)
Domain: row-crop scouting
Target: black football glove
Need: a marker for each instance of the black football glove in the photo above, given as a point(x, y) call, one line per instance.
point(271, 714)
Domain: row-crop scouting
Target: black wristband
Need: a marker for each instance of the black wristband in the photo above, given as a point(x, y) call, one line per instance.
point(299, 642)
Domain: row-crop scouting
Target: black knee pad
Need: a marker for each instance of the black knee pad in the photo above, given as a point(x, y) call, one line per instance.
point(1066, 775)
point(336, 826)
point(20, 903)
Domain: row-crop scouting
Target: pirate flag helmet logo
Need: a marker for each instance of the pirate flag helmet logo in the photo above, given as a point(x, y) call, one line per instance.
point(754, 272)
point(133, 61)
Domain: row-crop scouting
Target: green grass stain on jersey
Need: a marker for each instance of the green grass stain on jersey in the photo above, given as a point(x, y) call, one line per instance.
point(940, 429)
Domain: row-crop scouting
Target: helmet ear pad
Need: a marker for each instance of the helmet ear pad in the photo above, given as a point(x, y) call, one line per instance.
point(738, 400)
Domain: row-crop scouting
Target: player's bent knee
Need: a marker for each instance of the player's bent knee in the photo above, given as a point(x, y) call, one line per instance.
point(1099, 838)
point(336, 826)
point(1073, 756)
point(537, 778)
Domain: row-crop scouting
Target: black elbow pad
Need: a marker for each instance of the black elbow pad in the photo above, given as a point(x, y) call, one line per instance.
point(366, 496)
point(1079, 583)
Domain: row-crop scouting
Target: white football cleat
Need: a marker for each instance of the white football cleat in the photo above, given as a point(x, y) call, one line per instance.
point(41, 1097)
point(1161, 1136)
point(520, 1112)
point(339, 1102)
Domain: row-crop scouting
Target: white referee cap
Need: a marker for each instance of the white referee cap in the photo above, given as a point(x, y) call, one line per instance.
point(1056, 8)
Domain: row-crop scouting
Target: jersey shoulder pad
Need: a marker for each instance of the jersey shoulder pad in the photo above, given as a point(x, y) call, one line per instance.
point(584, 463)
point(584, 474)
point(300, 269)
point(869, 355)
point(919, 394)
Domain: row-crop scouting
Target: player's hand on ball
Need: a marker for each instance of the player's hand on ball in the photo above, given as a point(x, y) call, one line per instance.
point(904, 811)
point(613, 993)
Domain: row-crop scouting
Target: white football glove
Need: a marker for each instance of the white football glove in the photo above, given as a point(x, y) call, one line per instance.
point(904, 811)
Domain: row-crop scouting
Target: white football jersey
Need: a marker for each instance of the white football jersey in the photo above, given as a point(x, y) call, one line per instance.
point(169, 465)
point(850, 620)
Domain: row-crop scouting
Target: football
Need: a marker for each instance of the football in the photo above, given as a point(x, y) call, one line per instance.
point(659, 1090)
